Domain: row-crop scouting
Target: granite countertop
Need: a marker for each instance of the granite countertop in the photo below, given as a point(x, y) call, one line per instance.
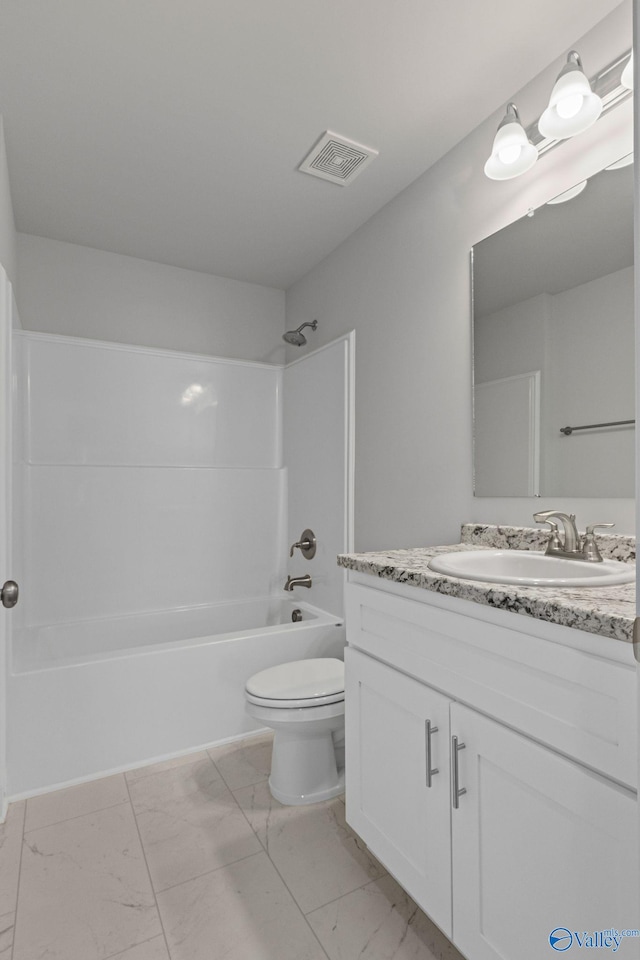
point(606, 611)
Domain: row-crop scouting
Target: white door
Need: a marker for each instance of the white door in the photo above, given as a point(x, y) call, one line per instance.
point(636, 217)
point(397, 730)
point(544, 852)
point(506, 423)
point(5, 511)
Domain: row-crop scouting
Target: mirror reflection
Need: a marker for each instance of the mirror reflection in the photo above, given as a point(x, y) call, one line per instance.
point(553, 332)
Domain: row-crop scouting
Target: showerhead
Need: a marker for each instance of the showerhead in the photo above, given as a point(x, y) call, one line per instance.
point(295, 337)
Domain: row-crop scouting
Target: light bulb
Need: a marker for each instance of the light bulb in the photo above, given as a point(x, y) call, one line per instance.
point(510, 154)
point(570, 106)
point(573, 106)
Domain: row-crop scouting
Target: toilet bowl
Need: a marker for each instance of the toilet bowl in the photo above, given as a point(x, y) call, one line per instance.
point(303, 703)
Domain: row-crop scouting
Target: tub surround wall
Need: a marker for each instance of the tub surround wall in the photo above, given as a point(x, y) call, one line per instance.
point(77, 291)
point(146, 477)
point(606, 611)
point(317, 452)
point(402, 280)
point(153, 481)
point(8, 235)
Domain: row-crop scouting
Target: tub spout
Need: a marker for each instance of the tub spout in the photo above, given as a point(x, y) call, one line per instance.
point(297, 582)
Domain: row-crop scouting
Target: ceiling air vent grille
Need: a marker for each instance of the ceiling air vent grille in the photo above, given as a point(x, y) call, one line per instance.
point(337, 159)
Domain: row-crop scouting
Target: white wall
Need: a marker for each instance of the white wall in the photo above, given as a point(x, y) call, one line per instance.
point(402, 280)
point(77, 291)
point(146, 475)
point(7, 222)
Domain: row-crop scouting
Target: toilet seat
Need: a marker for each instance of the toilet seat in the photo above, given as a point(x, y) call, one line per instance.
point(279, 704)
point(298, 684)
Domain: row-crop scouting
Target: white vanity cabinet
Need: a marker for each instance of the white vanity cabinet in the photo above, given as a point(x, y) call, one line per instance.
point(395, 726)
point(543, 832)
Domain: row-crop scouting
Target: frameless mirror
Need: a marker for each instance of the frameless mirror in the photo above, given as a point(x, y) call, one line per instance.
point(553, 348)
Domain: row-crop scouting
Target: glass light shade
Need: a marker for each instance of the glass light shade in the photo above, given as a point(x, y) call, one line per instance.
point(568, 194)
point(511, 154)
point(625, 161)
point(573, 107)
point(627, 74)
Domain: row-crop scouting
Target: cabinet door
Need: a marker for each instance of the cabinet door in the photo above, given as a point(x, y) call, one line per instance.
point(538, 843)
point(390, 804)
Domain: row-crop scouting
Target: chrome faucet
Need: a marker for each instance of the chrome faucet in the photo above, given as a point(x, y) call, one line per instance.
point(572, 548)
point(297, 582)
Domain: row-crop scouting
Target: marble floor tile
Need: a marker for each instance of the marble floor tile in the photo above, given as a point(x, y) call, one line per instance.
point(240, 912)
point(163, 765)
point(84, 889)
point(189, 823)
point(7, 921)
point(155, 949)
point(244, 762)
point(10, 850)
point(75, 801)
point(317, 854)
point(379, 922)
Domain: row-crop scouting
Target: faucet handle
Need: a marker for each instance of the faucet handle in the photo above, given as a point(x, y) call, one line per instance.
point(593, 526)
point(306, 545)
point(554, 544)
point(590, 547)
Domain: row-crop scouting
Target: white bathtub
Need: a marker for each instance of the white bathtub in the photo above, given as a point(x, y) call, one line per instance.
point(92, 697)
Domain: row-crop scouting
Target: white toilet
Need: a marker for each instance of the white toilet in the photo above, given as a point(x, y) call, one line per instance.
point(303, 702)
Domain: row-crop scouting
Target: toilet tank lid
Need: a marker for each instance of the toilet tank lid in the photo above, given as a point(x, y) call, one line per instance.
point(299, 680)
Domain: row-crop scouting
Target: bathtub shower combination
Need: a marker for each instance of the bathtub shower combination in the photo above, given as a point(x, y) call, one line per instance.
point(151, 544)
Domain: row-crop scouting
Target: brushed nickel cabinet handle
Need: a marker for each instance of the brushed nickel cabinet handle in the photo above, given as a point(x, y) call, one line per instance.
point(428, 730)
point(456, 790)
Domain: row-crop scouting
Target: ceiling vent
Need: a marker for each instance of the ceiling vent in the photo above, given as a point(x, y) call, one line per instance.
point(337, 159)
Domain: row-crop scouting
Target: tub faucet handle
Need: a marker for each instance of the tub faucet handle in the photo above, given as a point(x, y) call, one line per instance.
point(306, 544)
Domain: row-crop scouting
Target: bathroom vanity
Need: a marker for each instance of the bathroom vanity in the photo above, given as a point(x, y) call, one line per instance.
point(492, 756)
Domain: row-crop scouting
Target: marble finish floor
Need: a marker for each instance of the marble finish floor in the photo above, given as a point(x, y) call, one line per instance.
point(192, 859)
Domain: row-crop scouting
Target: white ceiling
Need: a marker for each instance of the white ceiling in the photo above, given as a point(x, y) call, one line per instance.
point(171, 129)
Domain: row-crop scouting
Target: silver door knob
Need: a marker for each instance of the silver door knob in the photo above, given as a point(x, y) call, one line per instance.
point(9, 594)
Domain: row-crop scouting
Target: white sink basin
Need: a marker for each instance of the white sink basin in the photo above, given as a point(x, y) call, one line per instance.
point(529, 568)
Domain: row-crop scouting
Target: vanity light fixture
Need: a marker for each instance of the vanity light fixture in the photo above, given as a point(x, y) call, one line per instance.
point(627, 74)
point(573, 106)
point(512, 153)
